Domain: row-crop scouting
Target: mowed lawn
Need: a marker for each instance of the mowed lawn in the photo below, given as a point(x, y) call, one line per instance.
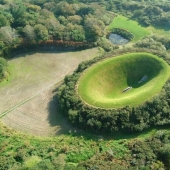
point(132, 26)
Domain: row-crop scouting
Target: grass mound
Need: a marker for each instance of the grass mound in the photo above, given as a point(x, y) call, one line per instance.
point(102, 84)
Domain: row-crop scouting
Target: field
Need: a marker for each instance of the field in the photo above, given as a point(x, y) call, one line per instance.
point(102, 84)
point(132, 26)
point(28, 99)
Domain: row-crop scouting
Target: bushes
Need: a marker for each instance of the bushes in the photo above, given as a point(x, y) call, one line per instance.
point(106, 44)
point(123, 33)
point(69, 24)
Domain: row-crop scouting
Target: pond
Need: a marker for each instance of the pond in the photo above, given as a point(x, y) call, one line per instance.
point(117, 39)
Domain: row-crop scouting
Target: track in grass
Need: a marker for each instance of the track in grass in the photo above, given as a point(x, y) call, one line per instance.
point(102, 84)
point(132, 26)
point(28, 100)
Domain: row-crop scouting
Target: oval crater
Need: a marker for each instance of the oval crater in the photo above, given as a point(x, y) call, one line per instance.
point(129, 79)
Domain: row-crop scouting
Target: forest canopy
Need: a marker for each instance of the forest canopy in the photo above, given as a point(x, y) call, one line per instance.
point(24, 23)
point(29, 23)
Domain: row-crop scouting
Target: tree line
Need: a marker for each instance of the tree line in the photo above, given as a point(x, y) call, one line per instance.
point(26, 24)
point(146, 12)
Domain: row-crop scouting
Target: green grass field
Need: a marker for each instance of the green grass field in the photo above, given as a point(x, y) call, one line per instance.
point(132, 26)
point(102, 84)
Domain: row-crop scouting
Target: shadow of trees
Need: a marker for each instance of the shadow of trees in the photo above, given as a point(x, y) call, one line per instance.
point(56, 118)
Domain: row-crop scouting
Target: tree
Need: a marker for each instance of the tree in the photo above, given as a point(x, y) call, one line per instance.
point(165, 155)
point(76, 19)
point(18, 10)
point(65, 9)
point(94, 28)
point(41, 32)
point(78, 34)
point(29, 33)
point(8, 35)
point(3, 20)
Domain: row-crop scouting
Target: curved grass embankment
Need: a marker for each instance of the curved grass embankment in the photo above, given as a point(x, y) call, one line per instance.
point(102, 84)
point(132, 26)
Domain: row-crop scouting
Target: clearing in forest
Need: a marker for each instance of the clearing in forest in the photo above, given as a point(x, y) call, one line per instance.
point(28, 99)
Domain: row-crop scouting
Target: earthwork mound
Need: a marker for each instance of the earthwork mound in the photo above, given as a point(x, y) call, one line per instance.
point(129, 79)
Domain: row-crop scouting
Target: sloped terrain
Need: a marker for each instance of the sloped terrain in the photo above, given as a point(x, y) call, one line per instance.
point(129, 79)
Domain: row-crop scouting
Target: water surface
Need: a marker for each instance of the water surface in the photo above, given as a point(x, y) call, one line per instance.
point(117, 39)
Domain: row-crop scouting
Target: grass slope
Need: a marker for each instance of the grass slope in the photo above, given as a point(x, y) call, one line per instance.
point(132, 26)
point(102, 84)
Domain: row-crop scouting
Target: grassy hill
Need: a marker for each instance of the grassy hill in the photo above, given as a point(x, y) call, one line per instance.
point(102, 84)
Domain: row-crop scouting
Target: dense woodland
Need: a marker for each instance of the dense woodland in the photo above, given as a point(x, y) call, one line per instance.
point(148, 12)
point(27, 24)
point(33, 24)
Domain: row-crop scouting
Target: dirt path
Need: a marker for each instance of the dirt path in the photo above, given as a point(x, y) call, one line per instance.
point(28, 102)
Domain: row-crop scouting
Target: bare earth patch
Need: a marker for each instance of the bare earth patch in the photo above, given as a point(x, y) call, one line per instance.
point(28, 101)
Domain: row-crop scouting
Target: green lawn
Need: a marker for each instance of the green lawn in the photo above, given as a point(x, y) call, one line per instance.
point(102, 84)
point(132, 26)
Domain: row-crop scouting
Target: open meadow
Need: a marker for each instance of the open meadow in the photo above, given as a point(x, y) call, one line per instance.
point(28, 99)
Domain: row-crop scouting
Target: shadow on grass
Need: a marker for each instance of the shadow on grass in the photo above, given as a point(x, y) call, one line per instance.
point(50, 49)
point(32, 52)
point(121, 135)
point(57, 119)
point(165, 27)
point(143, 67)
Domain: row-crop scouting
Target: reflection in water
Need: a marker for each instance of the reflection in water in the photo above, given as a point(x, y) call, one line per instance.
point(117, 39)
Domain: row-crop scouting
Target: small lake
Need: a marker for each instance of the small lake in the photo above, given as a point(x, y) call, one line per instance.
point(117, 39)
